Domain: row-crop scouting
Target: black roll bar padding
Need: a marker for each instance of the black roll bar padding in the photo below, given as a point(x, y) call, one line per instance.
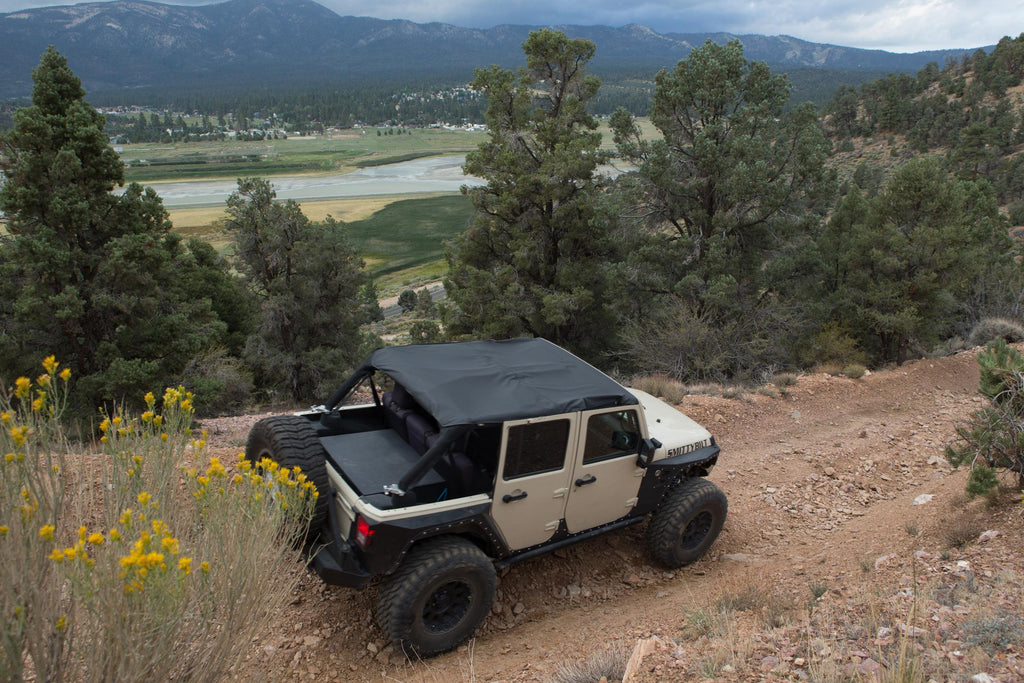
point(361, 373)
point(445, 439)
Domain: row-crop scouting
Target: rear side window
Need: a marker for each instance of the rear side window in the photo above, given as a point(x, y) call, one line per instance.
point(536, 448)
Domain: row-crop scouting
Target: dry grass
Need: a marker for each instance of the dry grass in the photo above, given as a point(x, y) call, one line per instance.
point(131, 558)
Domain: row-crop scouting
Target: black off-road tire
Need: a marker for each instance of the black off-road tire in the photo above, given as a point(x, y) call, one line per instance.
point(438, 597)
point(686, 523)
point(290, 440)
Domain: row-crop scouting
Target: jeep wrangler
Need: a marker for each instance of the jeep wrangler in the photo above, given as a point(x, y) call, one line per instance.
point(480, 455)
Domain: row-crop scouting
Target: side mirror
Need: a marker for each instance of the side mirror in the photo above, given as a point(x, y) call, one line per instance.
point(647, 449)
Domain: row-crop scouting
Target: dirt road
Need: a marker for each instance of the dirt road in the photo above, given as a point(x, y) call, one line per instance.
point(822, 525)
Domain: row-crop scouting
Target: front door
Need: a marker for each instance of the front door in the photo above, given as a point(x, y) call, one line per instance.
point(533, 481)
point(606, 478)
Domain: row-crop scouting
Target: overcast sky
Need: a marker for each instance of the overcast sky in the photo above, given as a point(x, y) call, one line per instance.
point(895, 25)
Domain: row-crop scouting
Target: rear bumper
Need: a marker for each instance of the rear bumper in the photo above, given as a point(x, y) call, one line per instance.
point(338, 566)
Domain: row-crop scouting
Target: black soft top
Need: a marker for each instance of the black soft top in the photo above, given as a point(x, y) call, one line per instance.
point(485, 382)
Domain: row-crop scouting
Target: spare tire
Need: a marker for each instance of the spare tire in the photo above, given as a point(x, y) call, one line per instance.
point(291, 440)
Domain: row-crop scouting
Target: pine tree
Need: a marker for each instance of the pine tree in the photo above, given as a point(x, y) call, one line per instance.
point(534, 261)
point(307, 280)
point(88, 273)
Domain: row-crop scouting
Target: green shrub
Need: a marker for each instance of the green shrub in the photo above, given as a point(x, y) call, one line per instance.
point(854, 371)
point(832, 346)
point(993, 437)
point(1017, 213)
point(222, 384)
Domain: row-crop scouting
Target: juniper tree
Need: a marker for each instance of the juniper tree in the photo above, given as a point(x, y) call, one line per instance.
point(724, 201)
point(533, 262)
point(900, 266)
point(89, 273)
point(307, 280)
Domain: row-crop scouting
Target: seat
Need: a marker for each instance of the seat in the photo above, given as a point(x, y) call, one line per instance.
point(421, 432)
point(398, 404)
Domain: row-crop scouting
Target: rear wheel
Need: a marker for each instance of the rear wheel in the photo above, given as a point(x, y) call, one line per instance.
point(438, 597)
point(290, 440)
point(686, 523)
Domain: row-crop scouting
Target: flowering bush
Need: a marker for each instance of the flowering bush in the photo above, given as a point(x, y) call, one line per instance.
point(177, 564)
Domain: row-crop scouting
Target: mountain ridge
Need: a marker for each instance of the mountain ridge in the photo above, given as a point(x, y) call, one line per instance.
point(129, 44)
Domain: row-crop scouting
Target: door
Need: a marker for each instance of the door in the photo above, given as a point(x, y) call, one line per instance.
point(533, 480)
point(606, 478)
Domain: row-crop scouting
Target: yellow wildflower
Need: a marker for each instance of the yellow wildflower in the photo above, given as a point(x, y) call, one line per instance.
point(5, 418)
point(46, 532)
point(163, 436)
point(169, 545)
point(43, 380)
point(96, 539)
point(39, 402)
point(57, 555)
point(158, 420)
point(105, 425)
point(144, 498)
point(18, 434)
point(147, 417)
point(50, 364)
point(9, 457)
point(62, 623)
point(65, 374)
point(22, 386)
point(149, 399)
point(185, 565)
point(205, 567)
point(115, 535)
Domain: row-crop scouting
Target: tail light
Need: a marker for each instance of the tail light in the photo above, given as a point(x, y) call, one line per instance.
point(363, 532)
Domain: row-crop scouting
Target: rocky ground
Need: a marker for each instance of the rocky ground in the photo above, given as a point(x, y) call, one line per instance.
point(850, 553)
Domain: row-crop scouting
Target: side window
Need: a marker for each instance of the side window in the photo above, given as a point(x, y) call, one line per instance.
point(535, 448)
point(610, 435)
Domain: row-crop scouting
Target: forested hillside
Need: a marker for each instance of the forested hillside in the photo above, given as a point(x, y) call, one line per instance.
point(747, 236)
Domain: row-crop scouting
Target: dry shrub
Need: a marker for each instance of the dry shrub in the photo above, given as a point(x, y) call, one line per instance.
point(961, 530)
point(989, 329)
point(607, 662)
point(662, 386)
point(127, 564)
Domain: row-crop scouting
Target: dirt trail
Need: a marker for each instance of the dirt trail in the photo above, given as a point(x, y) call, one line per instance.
point(820, 482)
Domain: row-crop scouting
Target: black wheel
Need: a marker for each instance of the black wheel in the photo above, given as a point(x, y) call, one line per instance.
point(438, 597)
point(290, 440)
point(686, 523)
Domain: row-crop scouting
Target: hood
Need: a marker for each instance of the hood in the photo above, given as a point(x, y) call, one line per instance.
point(676, 432)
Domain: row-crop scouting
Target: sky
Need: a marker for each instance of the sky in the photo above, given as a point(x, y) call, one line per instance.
point(894, 25)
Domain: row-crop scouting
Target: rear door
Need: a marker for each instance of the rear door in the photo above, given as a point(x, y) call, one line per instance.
point(606, 478)
point(537, 460)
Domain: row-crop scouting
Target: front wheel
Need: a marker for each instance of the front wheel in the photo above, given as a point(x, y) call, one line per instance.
point(438, 597)
point(686, 523)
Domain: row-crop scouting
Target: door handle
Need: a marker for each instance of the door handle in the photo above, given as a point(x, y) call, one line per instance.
point(583, 481)
point(508, 497)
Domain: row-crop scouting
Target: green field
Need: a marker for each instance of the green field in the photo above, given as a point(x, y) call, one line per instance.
point(336, 153)
point(406, 238)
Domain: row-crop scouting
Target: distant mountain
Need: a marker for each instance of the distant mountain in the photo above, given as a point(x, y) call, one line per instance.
point(261, 43)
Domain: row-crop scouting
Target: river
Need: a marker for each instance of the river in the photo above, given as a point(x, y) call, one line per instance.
point(429, 174)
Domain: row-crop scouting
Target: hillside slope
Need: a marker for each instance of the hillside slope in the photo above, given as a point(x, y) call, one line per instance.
point(826, 569)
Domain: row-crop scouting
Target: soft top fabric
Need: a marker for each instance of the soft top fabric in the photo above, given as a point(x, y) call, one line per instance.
point(486, 382)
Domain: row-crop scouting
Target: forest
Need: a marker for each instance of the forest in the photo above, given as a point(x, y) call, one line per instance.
point(751, 236)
